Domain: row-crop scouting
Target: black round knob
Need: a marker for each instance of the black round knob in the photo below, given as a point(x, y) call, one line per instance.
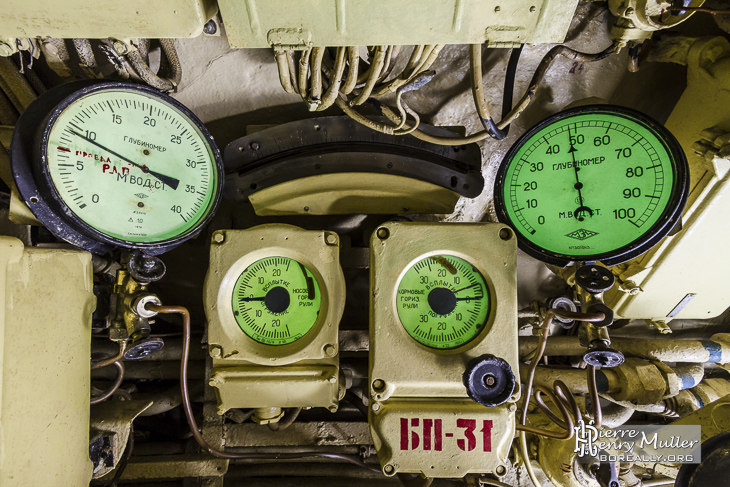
point(277, 299)
point(489, 380)
point(594, 278)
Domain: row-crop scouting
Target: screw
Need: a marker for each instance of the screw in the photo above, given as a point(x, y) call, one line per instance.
point(331, 239)
point(389, 469)
point(215, 351)
point(120, 47)
point(629, 11)
point(330, 350)
point(505, 234)
point(532, 9)
point(140, 204)
point(146, 152)
point(376, 407)
point(219, 238)
point(383, 233)
point(254, 146)
point(378, 384)
point(501, 469)
point(210, 28)
point(489, 380)
point(497, 9)
point(332, 379)
point(306, 208)
point(512, 408)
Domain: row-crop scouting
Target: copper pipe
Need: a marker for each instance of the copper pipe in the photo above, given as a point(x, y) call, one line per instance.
point(187, 407)
point(114, 387)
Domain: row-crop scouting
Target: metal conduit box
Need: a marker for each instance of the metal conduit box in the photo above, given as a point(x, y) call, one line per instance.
point(46, 303)
point(302, 23)
point(274, 295)
point(443, 347)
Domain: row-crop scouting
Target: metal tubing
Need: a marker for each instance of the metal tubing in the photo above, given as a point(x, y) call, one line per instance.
point(575, 379)
point(714, 350)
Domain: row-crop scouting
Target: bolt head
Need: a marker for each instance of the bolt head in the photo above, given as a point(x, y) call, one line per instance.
point(210, 28)
point(219, 238)
point(331, 239)
point(330, 350)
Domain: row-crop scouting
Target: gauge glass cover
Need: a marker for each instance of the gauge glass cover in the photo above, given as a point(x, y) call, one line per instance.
point(276, 301)
point(131, 165)
point(443, 301)
point(596, 183)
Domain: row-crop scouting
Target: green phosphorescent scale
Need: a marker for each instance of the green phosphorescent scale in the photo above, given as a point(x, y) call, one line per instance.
point(443, 301)
point(116, 164)
point(594, 183)
point(276, 301)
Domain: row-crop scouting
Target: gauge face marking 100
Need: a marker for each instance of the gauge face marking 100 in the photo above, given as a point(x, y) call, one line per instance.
point(592, 183)
point(276, 301)
point(443, 301)
point(131, 164)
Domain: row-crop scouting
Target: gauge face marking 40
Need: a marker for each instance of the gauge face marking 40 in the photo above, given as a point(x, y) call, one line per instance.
point(131, 165)
point(276, 301)
point(598, 183)
point(443, 302)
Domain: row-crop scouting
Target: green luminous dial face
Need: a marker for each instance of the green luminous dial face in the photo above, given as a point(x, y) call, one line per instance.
point(443, 301)
point(588, 184)
point(276, 301)
point(132, 166)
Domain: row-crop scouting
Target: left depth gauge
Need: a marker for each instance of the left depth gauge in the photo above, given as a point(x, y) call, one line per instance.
point(116, 164)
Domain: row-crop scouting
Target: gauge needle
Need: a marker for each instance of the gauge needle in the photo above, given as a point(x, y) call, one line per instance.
point(578, 184)
point(468, 298)
point(252, 299)
point(467, 287)
point(170, 181)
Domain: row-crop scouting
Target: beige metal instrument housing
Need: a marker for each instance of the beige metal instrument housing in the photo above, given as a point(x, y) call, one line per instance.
point(249, 374)
point(418, 383)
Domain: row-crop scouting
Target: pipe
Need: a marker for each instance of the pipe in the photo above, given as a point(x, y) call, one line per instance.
point(117, 382)
point(167, 370)
point(657, 482)
point(714, 350)
point(615, 415)
point(172, 351)
point(575, 379)
point(283, 66)
point(192, 423)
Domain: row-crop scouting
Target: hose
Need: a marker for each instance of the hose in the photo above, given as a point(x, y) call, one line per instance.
point(187, 406)
point(290, 415)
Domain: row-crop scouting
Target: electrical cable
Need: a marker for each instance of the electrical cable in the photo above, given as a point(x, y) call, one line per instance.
point(187, 407)
point(509, 84)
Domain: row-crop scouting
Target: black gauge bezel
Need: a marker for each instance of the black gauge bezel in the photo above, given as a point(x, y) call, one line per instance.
point(44, 200)
point(670, 217)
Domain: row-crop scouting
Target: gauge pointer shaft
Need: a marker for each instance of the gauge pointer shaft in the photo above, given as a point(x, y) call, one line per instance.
point(170, 181)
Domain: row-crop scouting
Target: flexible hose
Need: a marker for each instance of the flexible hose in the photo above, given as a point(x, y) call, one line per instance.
point(187, 407)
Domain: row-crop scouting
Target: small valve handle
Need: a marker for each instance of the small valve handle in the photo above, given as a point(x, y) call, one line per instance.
point(489, 380)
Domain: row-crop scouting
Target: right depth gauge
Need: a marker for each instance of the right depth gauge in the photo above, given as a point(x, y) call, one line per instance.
point(593, 183)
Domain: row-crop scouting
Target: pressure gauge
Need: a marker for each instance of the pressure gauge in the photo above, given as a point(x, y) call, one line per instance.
point(116, 164)
point(592, 183)
point(276, 300)
point(442, 301)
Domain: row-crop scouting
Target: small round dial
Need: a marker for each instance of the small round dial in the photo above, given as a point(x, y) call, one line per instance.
point(276, 301)
point(592, 183)
point(443, 301)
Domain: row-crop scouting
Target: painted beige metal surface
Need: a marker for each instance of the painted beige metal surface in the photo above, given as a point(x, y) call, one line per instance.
point(46, 302)
point(424, 383)
point(682, 277)
point(81, 19)
point(352, 193)
point(302, 23)
point(249, 374)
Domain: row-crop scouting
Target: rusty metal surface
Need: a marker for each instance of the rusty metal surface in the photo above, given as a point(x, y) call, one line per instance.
point(318, 433)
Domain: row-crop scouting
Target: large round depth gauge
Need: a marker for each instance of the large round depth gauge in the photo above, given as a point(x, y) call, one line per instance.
point(443, 301)
point(592, 183)
point(117, 164)
point(276, 301)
